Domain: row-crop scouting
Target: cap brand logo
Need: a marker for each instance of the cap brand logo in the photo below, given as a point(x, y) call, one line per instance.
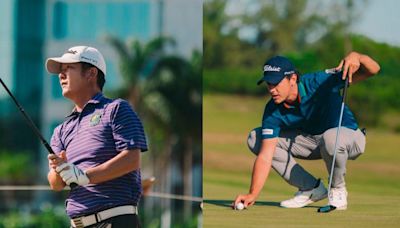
point(271, 68)
point(71, 52)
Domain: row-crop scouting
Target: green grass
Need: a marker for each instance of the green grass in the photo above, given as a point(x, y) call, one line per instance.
point(373, 180)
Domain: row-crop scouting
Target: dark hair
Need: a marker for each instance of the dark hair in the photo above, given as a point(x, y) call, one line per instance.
point(100, 75)
point(298, 76)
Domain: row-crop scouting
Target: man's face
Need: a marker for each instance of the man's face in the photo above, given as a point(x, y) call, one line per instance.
point(72, 80)
point(280, 91)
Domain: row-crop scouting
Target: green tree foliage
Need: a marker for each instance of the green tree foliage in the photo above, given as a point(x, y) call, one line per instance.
point(315, 35)
point(165, 90)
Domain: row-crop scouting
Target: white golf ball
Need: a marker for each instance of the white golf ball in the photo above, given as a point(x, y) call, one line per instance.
point(239, 206)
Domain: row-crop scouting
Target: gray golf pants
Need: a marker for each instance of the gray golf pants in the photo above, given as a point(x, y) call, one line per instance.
point(295, 144)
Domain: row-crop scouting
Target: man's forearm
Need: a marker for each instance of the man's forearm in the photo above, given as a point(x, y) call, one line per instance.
point(123, 163)
point(262, 165)
point(369, 65)
point(261, 171)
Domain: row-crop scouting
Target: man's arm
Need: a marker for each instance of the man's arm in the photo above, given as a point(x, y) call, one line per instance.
point(126, 161)
point(261, 169)
point(358, 67)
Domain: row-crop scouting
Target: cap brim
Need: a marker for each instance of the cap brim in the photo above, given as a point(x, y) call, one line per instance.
point(260, 81)
point(271, 79)
point(53, 65)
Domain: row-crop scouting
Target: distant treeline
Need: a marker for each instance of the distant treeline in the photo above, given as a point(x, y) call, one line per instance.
point(370, 99)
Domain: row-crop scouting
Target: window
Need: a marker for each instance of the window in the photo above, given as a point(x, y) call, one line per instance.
point(60, 20)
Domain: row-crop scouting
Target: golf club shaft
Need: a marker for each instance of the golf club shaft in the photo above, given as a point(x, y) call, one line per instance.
point(28, 120)
point(337, 132)
point(31, 124)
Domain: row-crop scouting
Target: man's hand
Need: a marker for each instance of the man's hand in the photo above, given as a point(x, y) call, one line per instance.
point(55, 160)
point(247, 200)
point(350, 65)
point(72, 174)
point(55, 181)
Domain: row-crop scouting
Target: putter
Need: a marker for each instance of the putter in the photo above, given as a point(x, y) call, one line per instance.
point(329, 208)
point(32, 125)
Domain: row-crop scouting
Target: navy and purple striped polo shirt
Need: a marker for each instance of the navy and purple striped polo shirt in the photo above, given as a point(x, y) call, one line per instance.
point(104, 128)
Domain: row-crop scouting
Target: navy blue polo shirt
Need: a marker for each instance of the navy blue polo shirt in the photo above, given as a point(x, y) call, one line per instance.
point(317, 111)
point(104, 128)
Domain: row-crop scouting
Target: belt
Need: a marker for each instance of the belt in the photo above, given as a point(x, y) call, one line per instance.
point(103, 215)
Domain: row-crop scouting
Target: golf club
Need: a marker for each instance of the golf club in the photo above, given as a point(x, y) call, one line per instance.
point(31, 124)
point(329, 208)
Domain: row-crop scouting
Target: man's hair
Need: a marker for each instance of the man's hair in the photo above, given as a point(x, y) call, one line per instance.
point(298, 76)
point(100, 75)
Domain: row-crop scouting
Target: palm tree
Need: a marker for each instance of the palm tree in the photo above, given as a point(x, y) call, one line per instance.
point(166, 92)
point(136, 62)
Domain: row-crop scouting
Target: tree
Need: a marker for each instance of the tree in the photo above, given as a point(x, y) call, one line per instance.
point(166, 89)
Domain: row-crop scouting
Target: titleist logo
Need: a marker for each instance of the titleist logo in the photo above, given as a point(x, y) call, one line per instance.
point(271, 68)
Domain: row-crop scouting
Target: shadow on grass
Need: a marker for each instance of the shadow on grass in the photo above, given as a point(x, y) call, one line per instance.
point(228, 203)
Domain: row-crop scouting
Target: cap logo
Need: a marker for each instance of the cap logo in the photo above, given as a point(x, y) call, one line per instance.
point(89, 59)
point(71, 52)
point(271, 68)
point(289, 72)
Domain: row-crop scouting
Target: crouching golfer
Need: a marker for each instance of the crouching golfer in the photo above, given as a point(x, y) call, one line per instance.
point(300, 121)
point(97, 146)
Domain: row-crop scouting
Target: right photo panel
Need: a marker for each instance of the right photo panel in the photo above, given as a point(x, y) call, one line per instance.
point(301, 122)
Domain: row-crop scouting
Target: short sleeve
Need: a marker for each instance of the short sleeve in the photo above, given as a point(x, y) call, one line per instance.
point(271, 123)
point(127, 128)
point(329, 79)
point(55, 141)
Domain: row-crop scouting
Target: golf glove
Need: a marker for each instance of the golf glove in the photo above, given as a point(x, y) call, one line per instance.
point(72, 174)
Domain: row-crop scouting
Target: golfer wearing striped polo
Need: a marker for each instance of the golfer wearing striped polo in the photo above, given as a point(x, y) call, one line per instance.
point(300, 121)
point(97, 146)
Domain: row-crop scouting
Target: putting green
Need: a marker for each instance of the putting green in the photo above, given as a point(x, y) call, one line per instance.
point(373, 180)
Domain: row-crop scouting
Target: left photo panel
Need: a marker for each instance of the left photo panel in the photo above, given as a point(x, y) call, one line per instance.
point(101, 113)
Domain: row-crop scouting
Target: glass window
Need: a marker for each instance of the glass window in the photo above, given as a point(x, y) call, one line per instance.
point(60, 20)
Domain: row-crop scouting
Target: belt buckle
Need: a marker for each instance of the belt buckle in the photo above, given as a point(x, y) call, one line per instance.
point(78, 222)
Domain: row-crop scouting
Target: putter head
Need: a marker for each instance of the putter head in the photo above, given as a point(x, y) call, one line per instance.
point(326, 209)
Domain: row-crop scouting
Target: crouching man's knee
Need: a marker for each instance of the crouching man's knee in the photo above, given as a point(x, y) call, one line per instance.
point(329, 141)
point(350, 142)
point(254, 140)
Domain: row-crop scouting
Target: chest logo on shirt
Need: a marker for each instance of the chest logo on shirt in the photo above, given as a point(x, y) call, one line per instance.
point(95, 119)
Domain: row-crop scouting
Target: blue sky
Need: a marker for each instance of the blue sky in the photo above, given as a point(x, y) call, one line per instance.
point(381, 21)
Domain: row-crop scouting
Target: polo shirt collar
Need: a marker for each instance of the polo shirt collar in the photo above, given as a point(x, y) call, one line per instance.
point(301, 94)
point(94, 100)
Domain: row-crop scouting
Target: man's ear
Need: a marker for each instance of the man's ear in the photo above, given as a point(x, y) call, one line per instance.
point(92, 72)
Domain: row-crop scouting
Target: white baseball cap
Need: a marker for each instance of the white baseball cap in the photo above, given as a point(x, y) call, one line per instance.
point(75, 55)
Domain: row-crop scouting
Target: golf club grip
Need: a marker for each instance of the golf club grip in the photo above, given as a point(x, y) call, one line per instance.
point(346, 86)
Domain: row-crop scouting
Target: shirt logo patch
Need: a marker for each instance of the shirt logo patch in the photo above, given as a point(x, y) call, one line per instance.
point(132, 142)
point(267, 131)
point(95, 119)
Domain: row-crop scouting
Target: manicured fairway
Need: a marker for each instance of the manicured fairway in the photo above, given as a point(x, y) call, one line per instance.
point(373, 180)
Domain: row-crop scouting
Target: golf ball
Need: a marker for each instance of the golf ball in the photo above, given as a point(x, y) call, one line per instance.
point(239, 206)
